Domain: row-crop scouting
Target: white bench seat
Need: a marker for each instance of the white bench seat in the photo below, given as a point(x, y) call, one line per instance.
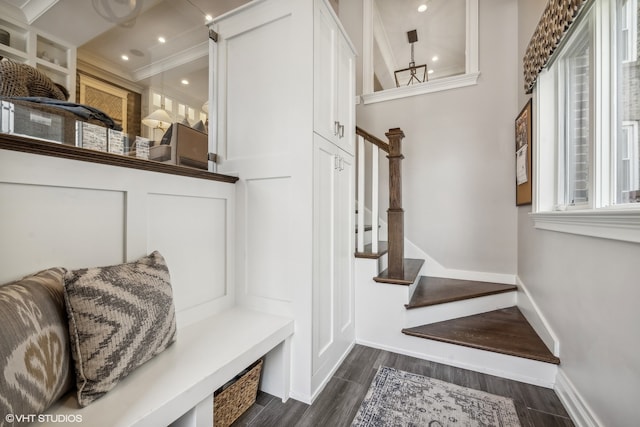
point(182, 379)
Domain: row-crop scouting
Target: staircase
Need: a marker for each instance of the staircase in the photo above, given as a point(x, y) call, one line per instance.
point(399, 307)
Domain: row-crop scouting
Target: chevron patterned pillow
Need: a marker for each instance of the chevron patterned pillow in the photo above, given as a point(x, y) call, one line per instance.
point(120, 316)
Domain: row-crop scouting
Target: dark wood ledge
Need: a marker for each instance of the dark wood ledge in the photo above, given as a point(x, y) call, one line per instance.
point(45, 148)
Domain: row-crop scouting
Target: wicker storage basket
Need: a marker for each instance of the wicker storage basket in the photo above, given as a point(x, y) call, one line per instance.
point(234, 398)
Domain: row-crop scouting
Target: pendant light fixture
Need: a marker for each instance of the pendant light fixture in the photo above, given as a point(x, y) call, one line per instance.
point(414, 73)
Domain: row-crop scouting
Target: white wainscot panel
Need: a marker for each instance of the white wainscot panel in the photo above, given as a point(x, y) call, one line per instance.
point(268, 250)
point(252, 130)
point(190, 232)
point(45, 226)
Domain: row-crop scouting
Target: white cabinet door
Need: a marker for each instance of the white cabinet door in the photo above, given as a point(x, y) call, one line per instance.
point(334, 81)
point(346, 87)
point(333, 316)
point(344, 212)
point(324, 73)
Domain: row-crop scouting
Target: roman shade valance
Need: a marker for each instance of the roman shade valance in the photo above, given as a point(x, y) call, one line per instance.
point(554, 24)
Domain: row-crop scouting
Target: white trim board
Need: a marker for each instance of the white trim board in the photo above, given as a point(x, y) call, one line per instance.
point(534, 316)
point(580, 413)
point(433, 268)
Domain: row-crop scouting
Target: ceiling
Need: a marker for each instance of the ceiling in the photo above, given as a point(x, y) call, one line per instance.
point(185, 55)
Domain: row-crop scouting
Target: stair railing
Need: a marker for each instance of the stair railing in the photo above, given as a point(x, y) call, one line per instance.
point(395, 213)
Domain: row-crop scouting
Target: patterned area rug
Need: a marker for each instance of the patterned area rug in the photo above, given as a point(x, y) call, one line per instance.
point(398, 398)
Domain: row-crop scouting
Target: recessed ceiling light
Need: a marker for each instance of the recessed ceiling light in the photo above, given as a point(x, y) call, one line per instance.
point(430, 71)
point(124, 57)
point(162, 39)
point(184, 81)
point(422, 8)
point(435, 58)
point(208, 18)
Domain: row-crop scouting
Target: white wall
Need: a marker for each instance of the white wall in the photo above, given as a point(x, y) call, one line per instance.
point(587, 290)
point(458, 172)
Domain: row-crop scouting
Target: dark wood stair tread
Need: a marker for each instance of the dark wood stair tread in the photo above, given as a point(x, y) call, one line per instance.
point(411, 269)
point(503, 331)
point(368, 252)
point(367, 227)
point(438, 290)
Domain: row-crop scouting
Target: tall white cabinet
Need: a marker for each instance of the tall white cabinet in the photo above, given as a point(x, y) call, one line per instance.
point(285, 124)
point(334, 227)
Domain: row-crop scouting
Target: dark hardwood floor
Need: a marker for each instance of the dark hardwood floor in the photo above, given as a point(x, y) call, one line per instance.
point(339, 401)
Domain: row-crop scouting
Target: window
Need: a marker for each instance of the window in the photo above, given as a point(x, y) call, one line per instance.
point(629, 172)
point(588, 109)
point(452, 60)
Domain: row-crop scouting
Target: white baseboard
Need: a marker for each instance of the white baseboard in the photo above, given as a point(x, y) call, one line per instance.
point(433, 268)
point(534, 316)
point(328, 377)
point(310, 398)
point(580, 413)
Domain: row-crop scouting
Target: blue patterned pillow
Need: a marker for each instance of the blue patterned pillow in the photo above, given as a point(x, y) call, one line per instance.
point(119, 317)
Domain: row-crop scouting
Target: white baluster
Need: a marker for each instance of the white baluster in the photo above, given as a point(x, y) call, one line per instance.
point(361, 177)
point(374, 200)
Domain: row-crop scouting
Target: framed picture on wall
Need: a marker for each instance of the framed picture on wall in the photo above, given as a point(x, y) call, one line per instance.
point(110, 99)
point(524, 169)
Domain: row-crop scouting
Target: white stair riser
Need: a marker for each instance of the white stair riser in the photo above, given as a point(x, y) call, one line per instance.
point(487, 362)
point(453, 310)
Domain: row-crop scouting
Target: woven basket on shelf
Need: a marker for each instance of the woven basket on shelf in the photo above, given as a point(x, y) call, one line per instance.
point(232, 401)
point(18, 79)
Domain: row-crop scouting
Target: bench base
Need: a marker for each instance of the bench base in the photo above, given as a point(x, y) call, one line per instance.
point(178, 384)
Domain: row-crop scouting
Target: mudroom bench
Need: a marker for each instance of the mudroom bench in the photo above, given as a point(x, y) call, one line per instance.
point(77, 214)
point(176, 387)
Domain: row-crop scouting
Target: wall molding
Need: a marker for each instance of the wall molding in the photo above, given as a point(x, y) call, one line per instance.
point(534, 316)
point(437, 85)
point(581, 414)
point(617, 224)
point(432, 267)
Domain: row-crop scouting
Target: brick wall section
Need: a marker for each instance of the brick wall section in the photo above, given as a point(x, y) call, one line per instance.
point(629, 91)
point(578, 149)
point(631, 84)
